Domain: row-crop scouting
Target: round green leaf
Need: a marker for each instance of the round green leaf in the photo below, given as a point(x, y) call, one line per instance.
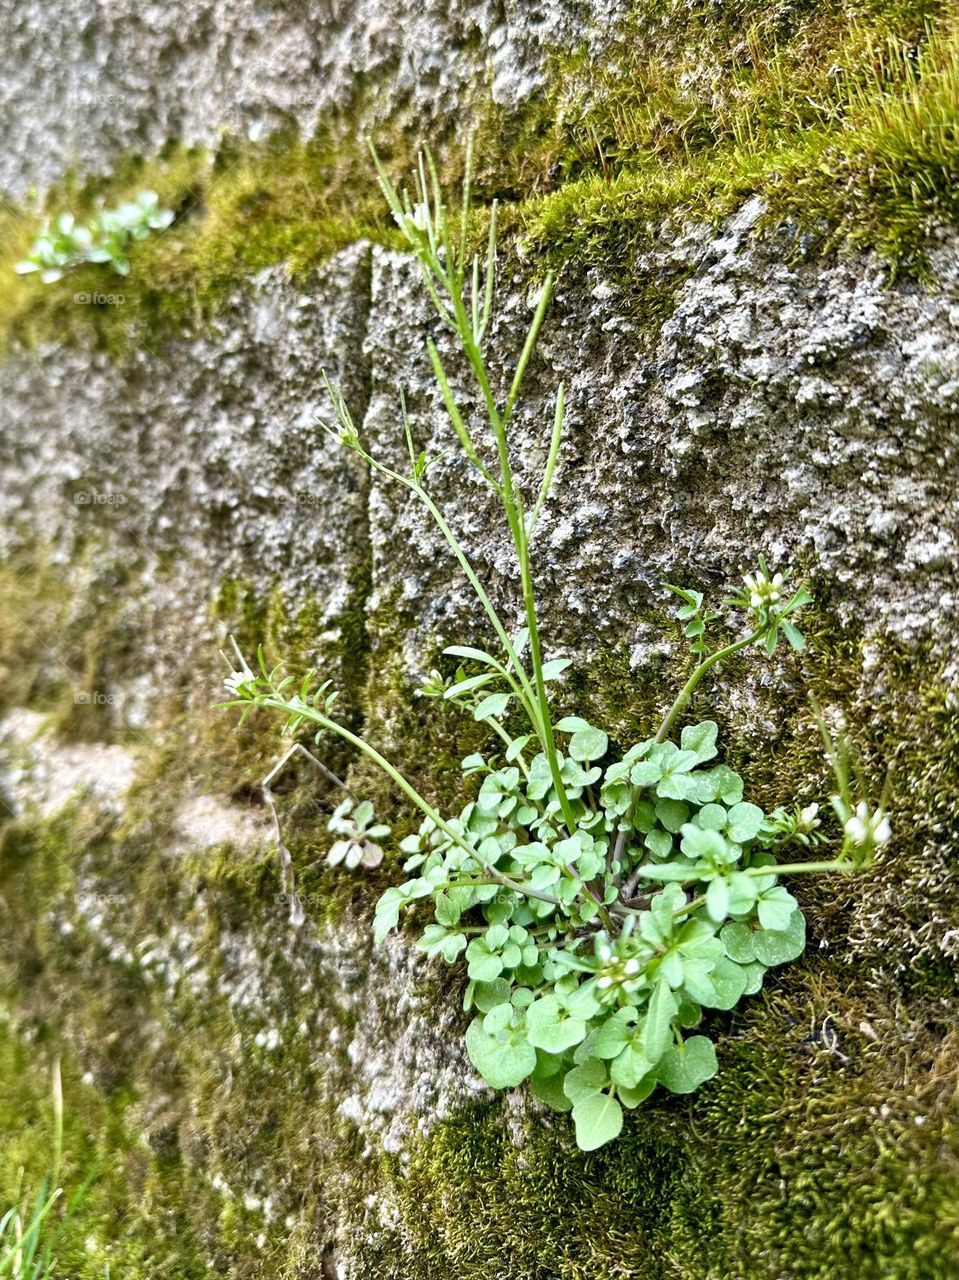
point(488, 994)
point(744, 821)
point(701, 739)
point(550, 1091)
point(598, 1120)
point(777, 947)
point(738, 939)
point(551, 1028)
point(483, 966)
point(685, 1067)
point(588, 744)
point(503, 1063)
point(585, 1080)
point(729, 980)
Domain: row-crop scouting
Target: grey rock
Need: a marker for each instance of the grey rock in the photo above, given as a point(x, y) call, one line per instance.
point(121, 77)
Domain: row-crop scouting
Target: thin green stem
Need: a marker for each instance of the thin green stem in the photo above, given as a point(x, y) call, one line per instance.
point(311, 713)
point(528, 697)
point(800, 868)
point(689, 907)
point(518, 532)
point(689, 688)
point(536, 661)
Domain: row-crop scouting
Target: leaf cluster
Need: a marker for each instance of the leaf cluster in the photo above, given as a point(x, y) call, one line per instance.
point(595, 1018)
point(63, 243)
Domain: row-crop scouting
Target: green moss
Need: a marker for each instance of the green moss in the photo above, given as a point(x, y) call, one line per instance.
point(187, 1090)
point(130, 1213)
point(840, 116)
point(837, 115)
point(820, 1151)
point(826, 1148)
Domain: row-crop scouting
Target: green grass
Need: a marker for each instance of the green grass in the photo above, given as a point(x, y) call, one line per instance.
point(28, 1228)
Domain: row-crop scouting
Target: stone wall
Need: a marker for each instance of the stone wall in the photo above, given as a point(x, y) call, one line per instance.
point(272, 1101)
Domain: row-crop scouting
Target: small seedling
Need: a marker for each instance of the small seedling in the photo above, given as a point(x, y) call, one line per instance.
point(64, 244)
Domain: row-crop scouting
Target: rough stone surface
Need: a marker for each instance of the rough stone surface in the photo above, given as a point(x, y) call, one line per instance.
point(121, 78)
point(798, 407)
point(803, 410)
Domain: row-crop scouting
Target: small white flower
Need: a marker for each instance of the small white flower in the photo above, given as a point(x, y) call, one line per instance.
point(415, 223)
point(605, 952)
point(631, 967)
point(809, 816)
point(421, 217)
point(604, 982)
point(763, 591)
point(865, 828)
point(237, 680)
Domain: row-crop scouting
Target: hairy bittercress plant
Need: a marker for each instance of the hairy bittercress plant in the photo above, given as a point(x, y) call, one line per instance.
point(600, 905)
point(63, 243)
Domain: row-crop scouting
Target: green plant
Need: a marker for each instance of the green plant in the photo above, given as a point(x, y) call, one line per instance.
point(63, 243)
point(600, 905)
point(23, 1228)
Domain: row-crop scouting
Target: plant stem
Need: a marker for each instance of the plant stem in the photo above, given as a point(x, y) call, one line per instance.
point(689, 688)
point(690, 907)
point(517, 528)
point(310, 713)
point(528, 698)
point(800, 868)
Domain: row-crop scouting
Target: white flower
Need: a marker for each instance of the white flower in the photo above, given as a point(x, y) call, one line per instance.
point(865, 828)
point(236, 681)
point(808, 816)
point(414, 223)
point(763, 591)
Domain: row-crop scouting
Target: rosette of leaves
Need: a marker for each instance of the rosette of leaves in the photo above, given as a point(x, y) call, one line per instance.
point(359, 832)
point(666, 845)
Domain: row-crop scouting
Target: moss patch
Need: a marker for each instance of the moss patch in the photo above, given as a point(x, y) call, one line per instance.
point(827, 1148)
point(818, 1152)
point(841, 116)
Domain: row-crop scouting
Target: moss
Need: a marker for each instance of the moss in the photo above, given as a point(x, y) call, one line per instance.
point(840, 116)
point(837, 115)
point(191, 1096)
point(125, 1206)
point(826, 1148)
point(74, 682)
point(818, 1151)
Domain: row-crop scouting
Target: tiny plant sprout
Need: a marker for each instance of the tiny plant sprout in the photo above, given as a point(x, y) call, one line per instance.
point(64, 244)
point(597, 900)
